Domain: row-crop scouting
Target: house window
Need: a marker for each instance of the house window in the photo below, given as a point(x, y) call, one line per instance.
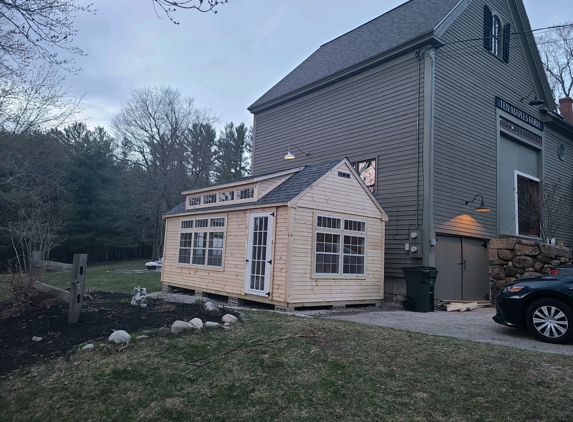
point(202, 222)
point(226, 196)
point(528, 197)
point(194, 200)
point(185, 242)
point(495, 36)
point(186, 224)
point(245, 193)
point(337, 250)
point(367, 171)
point(202, 245)
point(209, 199)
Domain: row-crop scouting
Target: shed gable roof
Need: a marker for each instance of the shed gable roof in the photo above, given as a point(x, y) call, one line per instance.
point(285, 192)
point(406, 22)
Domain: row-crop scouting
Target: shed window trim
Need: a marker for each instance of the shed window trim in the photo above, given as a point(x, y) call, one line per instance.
point(204, 244)
point(340, 249)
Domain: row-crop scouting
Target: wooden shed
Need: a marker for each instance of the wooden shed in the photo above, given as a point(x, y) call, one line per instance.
point(309, 236)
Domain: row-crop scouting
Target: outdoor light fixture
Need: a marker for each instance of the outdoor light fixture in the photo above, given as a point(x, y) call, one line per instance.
point(535, 101)
point(290, 156)
point(482, 207)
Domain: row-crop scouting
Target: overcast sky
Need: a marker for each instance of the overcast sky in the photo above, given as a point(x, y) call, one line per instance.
point(226, 60)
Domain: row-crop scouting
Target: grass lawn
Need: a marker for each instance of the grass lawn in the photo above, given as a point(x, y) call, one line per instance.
point(117, 277)
point(283, 368)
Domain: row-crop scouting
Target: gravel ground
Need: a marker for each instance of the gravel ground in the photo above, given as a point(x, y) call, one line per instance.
point(475, 325)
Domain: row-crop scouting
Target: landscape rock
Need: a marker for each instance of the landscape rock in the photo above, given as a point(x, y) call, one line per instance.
point(506, 254)
point(513, 271)
point(531, 250)
point(231, 319)
point(88, 346)
point(523, 261)
point(120, 336)
point(502, 243)
point(196, 323)
point(179, 326)
point(141, 337)
point(211, 324)
point(36, 339)
point(243, 316)
point(211, 309)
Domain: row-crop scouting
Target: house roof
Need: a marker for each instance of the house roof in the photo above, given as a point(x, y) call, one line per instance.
point(405, 23)
point(285, 192)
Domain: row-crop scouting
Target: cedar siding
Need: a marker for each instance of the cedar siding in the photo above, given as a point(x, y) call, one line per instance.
point(314, 190)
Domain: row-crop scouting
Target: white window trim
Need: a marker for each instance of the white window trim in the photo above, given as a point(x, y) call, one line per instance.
point(207, 230)
point(516, 199)
point(342, 233)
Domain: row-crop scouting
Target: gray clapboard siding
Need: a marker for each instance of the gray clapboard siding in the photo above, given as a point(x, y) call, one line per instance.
point(465, 125)
point(370, 115)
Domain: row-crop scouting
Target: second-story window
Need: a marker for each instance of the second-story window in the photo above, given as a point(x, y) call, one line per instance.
point(495, 35)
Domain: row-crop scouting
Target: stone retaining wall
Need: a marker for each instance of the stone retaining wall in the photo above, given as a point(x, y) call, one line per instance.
point(512, 258)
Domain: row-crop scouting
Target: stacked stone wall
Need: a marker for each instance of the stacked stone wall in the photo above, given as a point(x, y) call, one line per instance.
point(511, 259)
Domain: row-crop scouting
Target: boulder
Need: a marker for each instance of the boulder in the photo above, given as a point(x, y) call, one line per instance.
point(502, 243)
point(513, 271)
point(538, 266)
point(211, 324)
point(230, 319)
point(196, 324)
point(554, 250)
point(523, 261)
point(531, 250)
point(88, 346)
point(120, 336)
point(497, 272)
point(546, 259)
point(179, 326)
point(506, 254)
point(526, 242)
point(210, 309)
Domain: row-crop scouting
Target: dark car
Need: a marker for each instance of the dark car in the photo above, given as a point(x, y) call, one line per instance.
point(544, 305)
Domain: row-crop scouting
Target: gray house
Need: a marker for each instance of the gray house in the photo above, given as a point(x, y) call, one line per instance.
point(444, 109)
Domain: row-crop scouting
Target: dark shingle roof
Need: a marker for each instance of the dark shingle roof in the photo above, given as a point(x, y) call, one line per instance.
point(286, 191)
point(394, 28)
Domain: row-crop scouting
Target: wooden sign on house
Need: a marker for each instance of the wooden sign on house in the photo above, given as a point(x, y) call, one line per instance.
point(309, 236)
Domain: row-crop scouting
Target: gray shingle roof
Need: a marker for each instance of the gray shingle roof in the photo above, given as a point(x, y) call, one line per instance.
point(284, 192)
point(394, 28)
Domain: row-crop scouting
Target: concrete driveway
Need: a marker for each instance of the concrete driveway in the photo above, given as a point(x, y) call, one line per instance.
point(475, 325)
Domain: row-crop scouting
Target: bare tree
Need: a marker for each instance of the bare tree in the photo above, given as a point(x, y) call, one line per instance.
point(556, 50)
point(171, 6)
point(151, 126)
point(37, 30)
point(37, 101)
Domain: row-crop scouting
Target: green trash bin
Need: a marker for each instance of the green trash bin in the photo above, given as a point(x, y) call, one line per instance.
point(420, 283)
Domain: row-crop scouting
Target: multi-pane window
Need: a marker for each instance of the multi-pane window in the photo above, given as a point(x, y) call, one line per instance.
point(226, 196)
point(337, 251)
point(245, 193)
point(202, 242)
point(185, 242)
point(209, 199)
point(495, 36)
point(194, 200)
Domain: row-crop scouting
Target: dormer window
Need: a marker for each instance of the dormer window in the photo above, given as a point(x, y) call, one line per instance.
point(495, 36)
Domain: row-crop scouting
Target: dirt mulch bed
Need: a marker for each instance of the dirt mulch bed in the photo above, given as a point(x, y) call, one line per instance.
point(102, 313)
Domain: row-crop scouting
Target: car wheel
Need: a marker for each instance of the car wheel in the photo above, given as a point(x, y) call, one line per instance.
point(550, 320)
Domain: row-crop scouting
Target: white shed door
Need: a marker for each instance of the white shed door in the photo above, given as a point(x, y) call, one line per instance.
point(259, 248)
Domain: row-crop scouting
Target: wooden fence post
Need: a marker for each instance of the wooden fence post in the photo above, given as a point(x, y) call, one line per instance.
point(35, 259)
point(77, 285)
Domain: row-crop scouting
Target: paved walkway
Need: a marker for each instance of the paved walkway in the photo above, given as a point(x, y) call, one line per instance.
point(475, 325)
